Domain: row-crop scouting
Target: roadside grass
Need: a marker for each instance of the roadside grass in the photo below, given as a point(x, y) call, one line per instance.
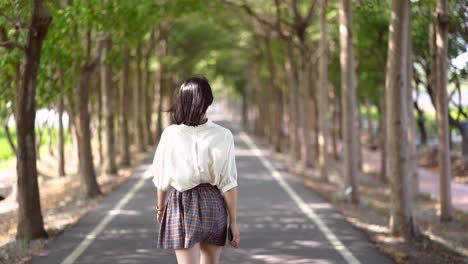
point(431, 122)
point(7, 157)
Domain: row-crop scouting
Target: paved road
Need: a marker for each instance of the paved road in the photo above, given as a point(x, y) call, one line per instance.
point(281, 221)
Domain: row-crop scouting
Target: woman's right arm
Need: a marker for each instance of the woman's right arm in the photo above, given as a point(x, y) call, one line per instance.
point(230, 197)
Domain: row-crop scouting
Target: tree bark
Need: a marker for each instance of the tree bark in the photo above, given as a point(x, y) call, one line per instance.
point(324, 119)
point(335, 123)
point(61, 139)
point(370, 125)
point(442, 111)
point(397, 165)
point(30, 223)
point(148, 135)
point(348, 95)
point(81, 126)
point(412, 152)
point(383, 137)
point(10, 141)
point(137, 113)
point(291, 73)
point(90, 187)
point(98, 116)
point(108, 110)
point(421, 121)
point(245, 107)
point(304, 106)
point(125, 94)
point(276, 101)
point(160, 53)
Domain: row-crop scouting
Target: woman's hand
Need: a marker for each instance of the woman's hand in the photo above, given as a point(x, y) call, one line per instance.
point(159, 213)
point(161, 205)
point(159, 217)
point(235, 235)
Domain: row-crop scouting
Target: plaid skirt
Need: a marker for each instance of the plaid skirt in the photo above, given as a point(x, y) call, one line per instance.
point(195, 215)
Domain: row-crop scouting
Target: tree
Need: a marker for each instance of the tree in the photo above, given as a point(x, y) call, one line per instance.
point(30, 223)
point(397, 163)
point(348, 97)
point(124, 95)
point(323, 137)
point(81, 124)
point(442, 110)
point(108, 107)
point(137, 98)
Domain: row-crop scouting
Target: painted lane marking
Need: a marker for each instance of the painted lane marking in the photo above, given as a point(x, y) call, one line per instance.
point(309, 212)
point(91, 236)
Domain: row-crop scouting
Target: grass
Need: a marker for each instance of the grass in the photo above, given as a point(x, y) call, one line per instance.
point(6, 154)
point(431, 122)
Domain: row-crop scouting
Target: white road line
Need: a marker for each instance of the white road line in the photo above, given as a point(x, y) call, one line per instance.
point(309, 212)
point(91, 236)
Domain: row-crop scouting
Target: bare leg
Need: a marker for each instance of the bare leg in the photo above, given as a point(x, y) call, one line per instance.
point(188, 255)
point(210, 253)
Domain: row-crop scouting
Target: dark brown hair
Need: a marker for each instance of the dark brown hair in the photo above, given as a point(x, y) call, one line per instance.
point(191, 102)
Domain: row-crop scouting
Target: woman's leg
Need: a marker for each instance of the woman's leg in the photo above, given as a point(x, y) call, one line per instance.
point(210, 253)
point(188, 255)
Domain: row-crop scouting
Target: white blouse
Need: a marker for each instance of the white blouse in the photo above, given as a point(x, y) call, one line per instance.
point(189, 155)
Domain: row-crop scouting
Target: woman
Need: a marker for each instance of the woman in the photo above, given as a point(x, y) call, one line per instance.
point(196, 157)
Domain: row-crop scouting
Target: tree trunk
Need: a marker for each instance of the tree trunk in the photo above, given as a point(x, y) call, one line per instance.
point(30, 223)
point(98, 115)
point(442, 111)
point(40, 131)
point(314, 108)
point(61, 139)
point(108, 109)
point(323, 135)
point(358, 125)
point(137, 114)
point(291, 71)
point(89, 185)
point(276, 101)
point(383, 137)
point(370, 126)
point(245, 106)
point(50, 138)
point(304, 106)
point(412, 152)
point(335, 120)
point(81, 126)
point(147, 102)
point(401, 216)
point(348, 95)
point(10, 141)
point(125, 94)
point(421, 121)
point(160, 53)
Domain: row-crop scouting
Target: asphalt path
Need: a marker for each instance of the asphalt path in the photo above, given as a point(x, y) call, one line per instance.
point(280, 220)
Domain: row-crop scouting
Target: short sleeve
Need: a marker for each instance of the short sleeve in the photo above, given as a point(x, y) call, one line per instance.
point(159, 166)
point(228, 177)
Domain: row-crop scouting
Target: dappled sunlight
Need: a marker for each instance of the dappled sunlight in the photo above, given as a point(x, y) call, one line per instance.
point(286, 259)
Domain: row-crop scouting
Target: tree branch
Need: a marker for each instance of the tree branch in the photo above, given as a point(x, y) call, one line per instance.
point(297, 14)
point(94, 62)
point(11, 45)
point(257, 17)
point(14, 22)
point(279, 18)
point(308, 18)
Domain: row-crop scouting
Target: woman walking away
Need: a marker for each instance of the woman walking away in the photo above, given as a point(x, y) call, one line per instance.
point(196, 157)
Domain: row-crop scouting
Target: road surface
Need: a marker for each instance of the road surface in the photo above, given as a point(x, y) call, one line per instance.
point(281, 221)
